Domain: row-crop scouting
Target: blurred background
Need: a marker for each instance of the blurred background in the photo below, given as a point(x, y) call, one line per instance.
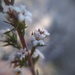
point(58, 17)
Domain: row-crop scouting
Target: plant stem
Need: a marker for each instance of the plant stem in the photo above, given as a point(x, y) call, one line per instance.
point(29, 55)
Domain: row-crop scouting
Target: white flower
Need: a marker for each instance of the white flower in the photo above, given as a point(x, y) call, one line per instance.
point(42, 36)
point(28, 16)
point(18, 54)
point(22, 8)
point(38, 37)
point(41, 42)
point(35, 43)
point(33, 38)
point(28, 19)
point(23, 56)
point(36, 33)
point(46, 32)
point(23, 50)
point(27, 13)
point(38, 53)
point(17, 9)
point(21, 17)
point(19, 12)
point(22, 53)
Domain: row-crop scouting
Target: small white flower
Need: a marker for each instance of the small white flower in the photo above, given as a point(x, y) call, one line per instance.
point(27, 13)
point(21, 13)
point(6, 8)
point(22, 8)
point(23, 55)
point(18, 54)
point(38, 53)
point(36, 33)
point(21, 17)
point(33, 38)
point(35, 43)
point(41, 42)
point(23, 50)
point(17, 9)
point(42, 36)
point(46, 33)
point(28, 19)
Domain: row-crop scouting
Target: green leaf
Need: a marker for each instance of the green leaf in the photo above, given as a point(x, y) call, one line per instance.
point(11, 39)
point(9, 23)
point(22, 28)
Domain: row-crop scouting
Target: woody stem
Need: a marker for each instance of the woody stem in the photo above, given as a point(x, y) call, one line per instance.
point(23, 42)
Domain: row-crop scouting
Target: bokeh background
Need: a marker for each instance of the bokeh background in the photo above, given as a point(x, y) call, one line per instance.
point(58, 17)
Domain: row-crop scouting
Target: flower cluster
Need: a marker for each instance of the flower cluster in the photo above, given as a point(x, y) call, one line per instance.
point(21, 54)
point(20, 13)
point(37, 38)
point(17, 17)
point(17, 57)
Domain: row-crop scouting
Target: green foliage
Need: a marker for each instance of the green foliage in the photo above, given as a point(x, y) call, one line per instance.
point(24, 62)
point(22, 27)
point(11, 39)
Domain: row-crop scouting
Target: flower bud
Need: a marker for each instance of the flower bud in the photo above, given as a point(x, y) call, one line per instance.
point(41, 42)
point(20, 17)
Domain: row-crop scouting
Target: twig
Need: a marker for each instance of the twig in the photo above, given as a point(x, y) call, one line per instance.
point(29, 55)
